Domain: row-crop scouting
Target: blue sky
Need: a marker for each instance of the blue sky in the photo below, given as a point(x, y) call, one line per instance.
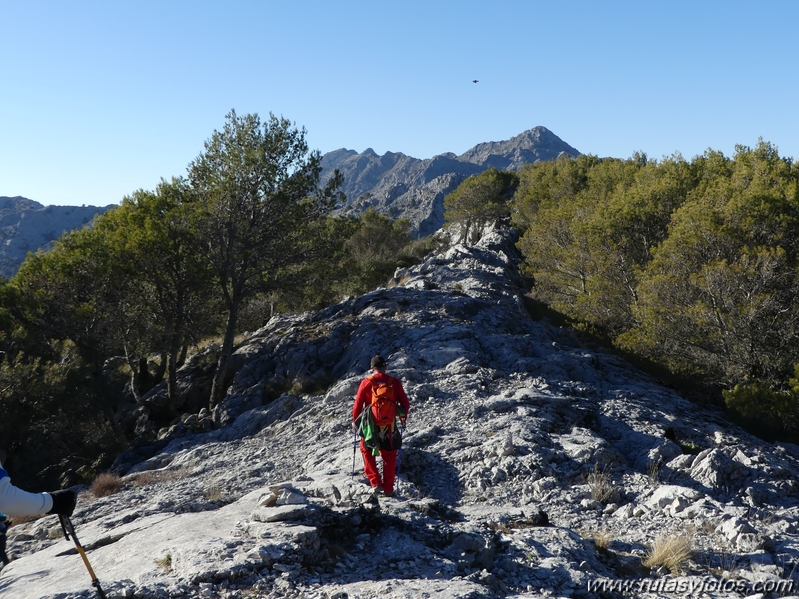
point(98, 99)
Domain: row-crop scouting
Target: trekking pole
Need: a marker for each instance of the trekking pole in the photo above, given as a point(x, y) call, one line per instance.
point(69, 531)
point(399, 451)
point(355, 431)
point(354, 445)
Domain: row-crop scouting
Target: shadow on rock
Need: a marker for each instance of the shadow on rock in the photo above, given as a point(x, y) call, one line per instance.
point(431, 475)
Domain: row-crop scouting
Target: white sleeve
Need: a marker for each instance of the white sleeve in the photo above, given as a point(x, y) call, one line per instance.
point(16, 502)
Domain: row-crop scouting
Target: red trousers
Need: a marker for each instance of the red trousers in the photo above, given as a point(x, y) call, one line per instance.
point(389, 458)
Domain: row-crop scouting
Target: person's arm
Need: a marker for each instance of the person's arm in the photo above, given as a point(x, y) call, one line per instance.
point(16, 502)
point(402, 397)
point(360, 399)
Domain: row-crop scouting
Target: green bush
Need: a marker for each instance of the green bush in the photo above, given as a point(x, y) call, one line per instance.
point(418, 249)
point(770, 413)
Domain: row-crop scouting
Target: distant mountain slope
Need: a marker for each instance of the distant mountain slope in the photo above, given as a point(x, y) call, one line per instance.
point(402, 186)
point(395, 184)
point(26, 226)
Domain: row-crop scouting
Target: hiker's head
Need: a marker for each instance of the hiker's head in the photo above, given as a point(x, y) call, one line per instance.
point(378, 363)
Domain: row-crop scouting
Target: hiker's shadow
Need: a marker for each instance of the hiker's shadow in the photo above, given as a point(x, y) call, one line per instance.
point(432, 476)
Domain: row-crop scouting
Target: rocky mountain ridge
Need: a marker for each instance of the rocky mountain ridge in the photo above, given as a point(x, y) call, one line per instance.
point(400, 186)
point(533, 464)
point(26, 226)
point(395, 184)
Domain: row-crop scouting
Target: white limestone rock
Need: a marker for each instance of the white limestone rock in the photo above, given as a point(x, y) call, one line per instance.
point(508, 418)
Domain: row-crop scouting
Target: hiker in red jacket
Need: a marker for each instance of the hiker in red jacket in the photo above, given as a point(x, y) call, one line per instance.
point(379, 402)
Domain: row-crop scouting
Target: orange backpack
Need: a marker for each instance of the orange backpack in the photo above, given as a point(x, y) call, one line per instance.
point(384, 406)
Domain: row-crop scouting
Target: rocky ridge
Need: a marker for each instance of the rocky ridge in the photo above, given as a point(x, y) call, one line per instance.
point(26, 226)
point(533, 464)
point(394, 184)
point(400, 186)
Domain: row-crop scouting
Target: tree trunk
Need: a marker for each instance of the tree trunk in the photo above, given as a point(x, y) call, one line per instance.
point(144, 375)
point(159, 372)
point(184, 350)
point(172, 366)
point(171, 377)
point(218, 388)
point(134, 378)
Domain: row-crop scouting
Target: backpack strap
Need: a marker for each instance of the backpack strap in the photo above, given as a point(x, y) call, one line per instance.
point(389, 382)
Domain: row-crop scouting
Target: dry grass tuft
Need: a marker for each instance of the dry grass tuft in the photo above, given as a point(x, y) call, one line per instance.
point(165, 563)
point(602, 539)
point(149, 477)
point(706, 526)
point(106, 484)
point(600, 483)
point(653, 472)
point(671, 552)
point(214, 493)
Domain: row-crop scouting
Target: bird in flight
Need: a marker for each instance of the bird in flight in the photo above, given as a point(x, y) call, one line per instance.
point(474, 80)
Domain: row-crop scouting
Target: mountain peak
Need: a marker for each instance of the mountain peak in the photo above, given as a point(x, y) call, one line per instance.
point(395, 184)
point(403, 186)
point(533, 145)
